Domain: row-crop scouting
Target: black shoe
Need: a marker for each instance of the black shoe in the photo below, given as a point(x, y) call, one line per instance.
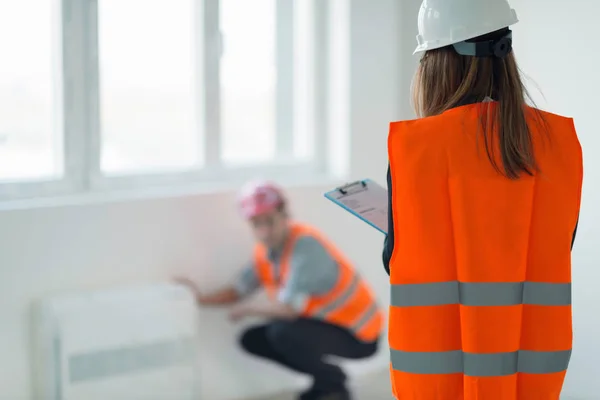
point(316, 394)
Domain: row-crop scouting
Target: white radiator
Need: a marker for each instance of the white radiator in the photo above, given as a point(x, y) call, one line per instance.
point(134, 343)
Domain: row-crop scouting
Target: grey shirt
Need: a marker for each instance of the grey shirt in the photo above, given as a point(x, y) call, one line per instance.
point(313, 271)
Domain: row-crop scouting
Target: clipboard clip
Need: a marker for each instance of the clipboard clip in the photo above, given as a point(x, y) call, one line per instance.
point(344, 190)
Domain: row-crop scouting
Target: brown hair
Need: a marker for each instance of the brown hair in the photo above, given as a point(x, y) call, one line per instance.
point(446, 79)
point(282, 208)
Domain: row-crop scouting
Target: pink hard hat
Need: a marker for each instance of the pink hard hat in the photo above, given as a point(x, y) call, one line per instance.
point(259, 197)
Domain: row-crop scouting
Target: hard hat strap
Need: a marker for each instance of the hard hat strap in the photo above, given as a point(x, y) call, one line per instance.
point(499, 47)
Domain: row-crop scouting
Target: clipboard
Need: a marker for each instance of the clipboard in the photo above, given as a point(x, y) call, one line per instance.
point(366, 200)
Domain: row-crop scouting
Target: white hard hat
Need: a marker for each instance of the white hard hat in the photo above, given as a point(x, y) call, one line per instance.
point(447, 22)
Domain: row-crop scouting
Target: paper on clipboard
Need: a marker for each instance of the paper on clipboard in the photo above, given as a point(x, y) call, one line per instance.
point(365, 199)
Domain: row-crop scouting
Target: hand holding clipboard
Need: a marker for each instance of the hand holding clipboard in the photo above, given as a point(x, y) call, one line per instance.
point(366, 200)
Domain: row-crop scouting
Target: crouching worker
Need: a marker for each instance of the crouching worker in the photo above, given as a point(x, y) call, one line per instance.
point(319, 304)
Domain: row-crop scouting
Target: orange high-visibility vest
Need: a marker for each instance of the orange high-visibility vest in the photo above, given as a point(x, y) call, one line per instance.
point(481, 267)
point(350, 304)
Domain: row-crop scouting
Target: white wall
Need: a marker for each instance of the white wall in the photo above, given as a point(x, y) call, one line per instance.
point(557, 51)
point(62, 248)
point(49, 250)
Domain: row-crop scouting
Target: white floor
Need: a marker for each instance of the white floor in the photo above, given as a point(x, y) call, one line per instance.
point(376, 387)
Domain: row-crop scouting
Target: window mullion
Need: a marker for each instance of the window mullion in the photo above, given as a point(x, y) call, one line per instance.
point(209, 87)
point(285, 72)
point(91, 86)
point(338, 87)
point(321, 98)
point(74, 27)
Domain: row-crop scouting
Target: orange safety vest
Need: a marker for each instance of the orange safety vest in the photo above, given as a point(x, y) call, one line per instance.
point(481, 267)
point(350, 304)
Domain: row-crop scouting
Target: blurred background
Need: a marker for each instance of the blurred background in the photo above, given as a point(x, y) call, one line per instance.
point(127, 126)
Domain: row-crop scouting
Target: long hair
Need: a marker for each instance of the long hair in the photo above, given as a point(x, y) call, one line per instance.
point(446, 79)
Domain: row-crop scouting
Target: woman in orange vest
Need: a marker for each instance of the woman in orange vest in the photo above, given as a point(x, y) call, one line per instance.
point(484, 202)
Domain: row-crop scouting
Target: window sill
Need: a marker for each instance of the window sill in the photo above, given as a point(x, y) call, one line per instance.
point(131, 189)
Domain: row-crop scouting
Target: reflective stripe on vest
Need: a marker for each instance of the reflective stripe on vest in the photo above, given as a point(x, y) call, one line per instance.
point(481, 294)
point(481, 365)
point(349, 304)
point(480, 302)
point(339, 301)
point(370, 313)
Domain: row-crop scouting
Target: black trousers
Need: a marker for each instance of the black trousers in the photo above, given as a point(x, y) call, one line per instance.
point(301, 345)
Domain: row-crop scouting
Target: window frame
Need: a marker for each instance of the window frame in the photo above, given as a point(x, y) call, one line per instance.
point(81, 147)
point(68, 17)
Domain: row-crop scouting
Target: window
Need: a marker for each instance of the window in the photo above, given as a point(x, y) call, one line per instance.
point(266, 87)
point(148, 117)
point(30, 91)
point(104, 94)
point(248, 80)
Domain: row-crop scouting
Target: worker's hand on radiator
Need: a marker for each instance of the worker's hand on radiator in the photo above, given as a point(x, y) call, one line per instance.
point(238, 312)
point(219, 297)
point(187, 283)
point(190, 285)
